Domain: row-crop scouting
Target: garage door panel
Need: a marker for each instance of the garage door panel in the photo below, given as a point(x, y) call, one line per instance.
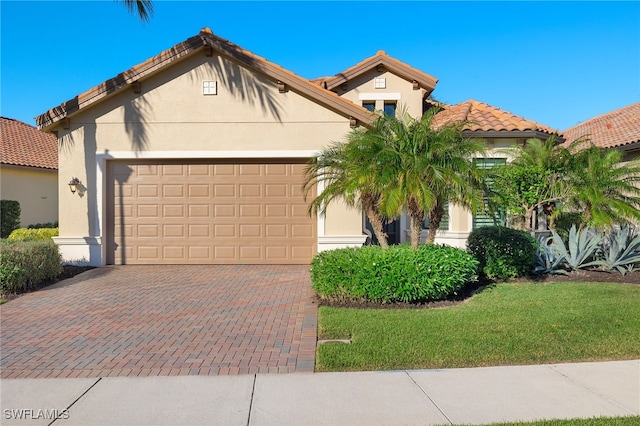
point(209, 213)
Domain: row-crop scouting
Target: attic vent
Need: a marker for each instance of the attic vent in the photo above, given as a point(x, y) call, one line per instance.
point(209, 87)
point(380, 83)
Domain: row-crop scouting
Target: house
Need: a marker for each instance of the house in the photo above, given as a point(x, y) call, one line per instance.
point(29, 171)
point(197, 154)
point(619, 129)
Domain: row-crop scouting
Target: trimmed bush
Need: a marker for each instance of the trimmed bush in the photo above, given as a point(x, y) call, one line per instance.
point(24, 265)
point(9, 217)
point(36, 234)
point(398, 274)
point(43, 225)
point(502, 253)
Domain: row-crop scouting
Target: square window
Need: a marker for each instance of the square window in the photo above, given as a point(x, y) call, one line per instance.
point(209, 87)
point(380, 83)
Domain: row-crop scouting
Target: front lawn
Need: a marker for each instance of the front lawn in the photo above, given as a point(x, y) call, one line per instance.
point(507, 324)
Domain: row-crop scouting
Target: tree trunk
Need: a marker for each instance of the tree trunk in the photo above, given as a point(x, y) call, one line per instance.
point(435, 217)
point(369, 206)
point(528, 219)
point(376, 224)
point(417, 219)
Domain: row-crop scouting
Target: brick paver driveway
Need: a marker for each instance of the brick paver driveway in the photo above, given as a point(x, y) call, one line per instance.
point(163, 320)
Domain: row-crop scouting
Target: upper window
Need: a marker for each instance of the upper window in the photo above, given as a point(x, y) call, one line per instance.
point(380, 83)
point(390, 109)
point(371, 106)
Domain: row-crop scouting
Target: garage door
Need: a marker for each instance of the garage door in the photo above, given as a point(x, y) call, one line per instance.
point(208, 213)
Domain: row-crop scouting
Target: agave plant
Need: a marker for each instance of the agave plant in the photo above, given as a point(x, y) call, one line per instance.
point(548, 259)
point(583, 245)
point(621, 250)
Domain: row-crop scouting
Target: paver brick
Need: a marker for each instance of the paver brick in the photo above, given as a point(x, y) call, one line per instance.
point(163, 320)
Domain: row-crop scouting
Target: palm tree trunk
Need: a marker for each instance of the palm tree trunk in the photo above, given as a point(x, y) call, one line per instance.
point(417, 219)
point(369, 206)
point(435, 217)
point(376, 224)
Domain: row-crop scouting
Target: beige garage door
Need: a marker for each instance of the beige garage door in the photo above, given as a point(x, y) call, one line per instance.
point(208, 213)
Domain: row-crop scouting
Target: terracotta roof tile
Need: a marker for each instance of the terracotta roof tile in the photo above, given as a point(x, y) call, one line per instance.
point(613, 129)
point(482, 117)
point(24, 145)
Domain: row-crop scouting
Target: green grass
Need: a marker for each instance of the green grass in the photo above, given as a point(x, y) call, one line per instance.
point(507, 324)
point(597, 421)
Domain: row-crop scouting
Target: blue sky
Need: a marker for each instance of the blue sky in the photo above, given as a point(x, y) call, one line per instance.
point(554, 62)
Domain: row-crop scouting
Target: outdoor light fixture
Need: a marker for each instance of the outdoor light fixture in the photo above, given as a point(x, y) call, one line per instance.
point(73, 185)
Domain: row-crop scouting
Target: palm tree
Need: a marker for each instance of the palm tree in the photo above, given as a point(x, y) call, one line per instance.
point(605, 189)
point(431, 165)
point(353, 171)
point(144, 8)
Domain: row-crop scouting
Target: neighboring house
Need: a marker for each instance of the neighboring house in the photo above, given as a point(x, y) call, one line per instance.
point(619, 129)
point(29, 171)
point(197, 154)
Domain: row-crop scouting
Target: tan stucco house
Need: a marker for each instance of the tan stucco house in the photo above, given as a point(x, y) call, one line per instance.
point(196, 156)
point(29, 171)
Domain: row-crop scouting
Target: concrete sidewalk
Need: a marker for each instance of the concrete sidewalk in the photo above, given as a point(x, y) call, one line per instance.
point(421, 397)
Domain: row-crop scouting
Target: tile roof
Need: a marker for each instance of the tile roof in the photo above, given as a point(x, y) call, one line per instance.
point(24, 145)
point(205, 39)
point(481, 117)
point(613, 129)
point(405, 71)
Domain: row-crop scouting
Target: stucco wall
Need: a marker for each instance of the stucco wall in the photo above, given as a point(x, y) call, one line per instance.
point(35, 189)
point(247, 116)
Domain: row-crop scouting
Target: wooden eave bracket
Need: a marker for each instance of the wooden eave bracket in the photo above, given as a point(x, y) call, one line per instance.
point(416, 85)
point(65, 123)
point(208, 51)
point(282, 87)
point(344, 86)
point(136, 86)
point(353, 122)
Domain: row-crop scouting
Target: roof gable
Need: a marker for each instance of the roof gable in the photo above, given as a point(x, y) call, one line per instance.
point(24, 145)
point(381, 59)
point(205, 40)
point(489, 121)
point(614, 129)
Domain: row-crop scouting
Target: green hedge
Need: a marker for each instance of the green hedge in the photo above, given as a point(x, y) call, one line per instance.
point(24, 265)
point(503, 253)
point(36, 234)
point(398, 274)
point(9, 217)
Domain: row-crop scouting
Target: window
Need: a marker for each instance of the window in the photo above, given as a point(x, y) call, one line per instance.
point(209, 87)
point(370, 105)
point(486, 218)
point(380, 83)
point(390, 109)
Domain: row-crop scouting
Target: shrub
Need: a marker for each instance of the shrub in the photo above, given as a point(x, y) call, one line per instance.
point(43, 225)
point(502, 253)
point(37, 234)
point(9, 217)
point(397, 274)
point(26, 264)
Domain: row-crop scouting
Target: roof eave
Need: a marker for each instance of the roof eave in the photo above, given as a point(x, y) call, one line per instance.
point(425, 81)
point(518, 134)
point(47, 120)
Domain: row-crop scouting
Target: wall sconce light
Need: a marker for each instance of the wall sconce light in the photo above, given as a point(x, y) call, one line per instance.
point(73, 185)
